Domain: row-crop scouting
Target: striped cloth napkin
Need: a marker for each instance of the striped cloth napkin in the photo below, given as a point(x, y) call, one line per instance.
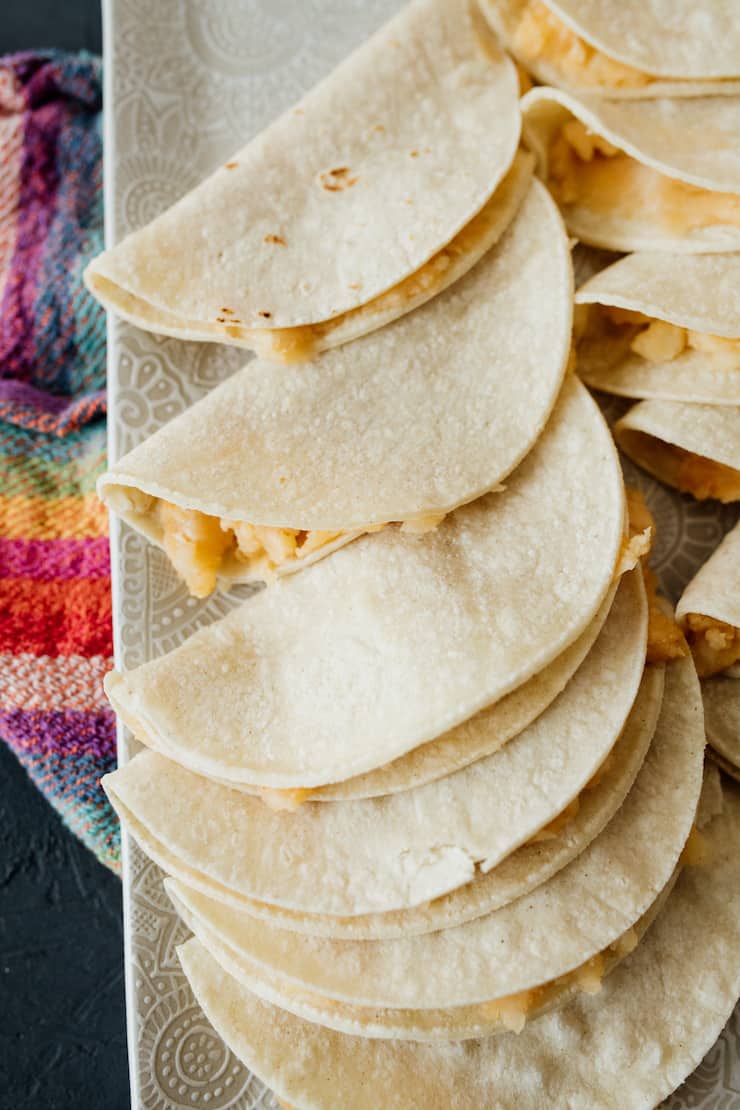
point(55, 605)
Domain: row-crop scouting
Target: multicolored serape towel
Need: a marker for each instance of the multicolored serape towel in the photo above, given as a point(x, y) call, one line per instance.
point(55, 607)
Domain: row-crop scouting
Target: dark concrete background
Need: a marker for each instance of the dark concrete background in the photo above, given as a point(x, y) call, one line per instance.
point(62, 1031)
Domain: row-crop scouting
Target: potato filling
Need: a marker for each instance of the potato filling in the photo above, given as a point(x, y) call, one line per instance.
point(714, 644)
point(199, 545)
point(587, 171)
point(665, 640)
point(298, 344)
point(541, 35)
point(656, 341)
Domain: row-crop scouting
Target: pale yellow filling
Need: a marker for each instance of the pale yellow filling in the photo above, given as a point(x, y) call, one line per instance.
point(540, 35)
point(199, 545)
point(586, 170)
point(656, 341)
point(299, 344)
point(714, 644)
point(665, 640)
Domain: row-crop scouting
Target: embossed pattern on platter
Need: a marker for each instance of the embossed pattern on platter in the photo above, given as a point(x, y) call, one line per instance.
point(192, 80)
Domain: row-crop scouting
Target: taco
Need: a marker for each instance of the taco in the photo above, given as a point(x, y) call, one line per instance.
point(694, 448)
point(648, 1012)
point(623, 50)
point(533, 863)
point(663, 326)
point(396, 638)
point(382, 185)
point(721, 696)
point(561, 925)
point(709, 609)
point(381, 854)
point(653, 175)
point(402, 426)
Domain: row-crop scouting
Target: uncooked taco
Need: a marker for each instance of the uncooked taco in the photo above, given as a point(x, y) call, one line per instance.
point(652, 175)
point(380, 187)
point(663, 326)
point(615, 49)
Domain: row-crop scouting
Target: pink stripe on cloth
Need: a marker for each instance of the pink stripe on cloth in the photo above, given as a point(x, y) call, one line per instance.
point(46, 560)
point(43, 682)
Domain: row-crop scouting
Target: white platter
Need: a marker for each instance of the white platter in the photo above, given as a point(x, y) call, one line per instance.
point(186, 83)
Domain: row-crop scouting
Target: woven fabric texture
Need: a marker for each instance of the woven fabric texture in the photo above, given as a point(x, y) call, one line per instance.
point(55, 604)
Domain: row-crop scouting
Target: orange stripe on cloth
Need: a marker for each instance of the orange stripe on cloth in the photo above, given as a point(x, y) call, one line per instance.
point(69, 617)
point(61, 682)
point(57, 519)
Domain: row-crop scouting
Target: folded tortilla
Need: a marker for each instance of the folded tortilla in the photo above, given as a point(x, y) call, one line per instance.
point(345, 212)
point(663, 326)
point(694, 448)
point(484, 733)
point(381, 854)
point(709, 609)
point(649, 1013)
point(562, 924)
point(640, 175)
point(402, 426)
point(522, 871)
point(441, 1025)
point(722, 721)
point(623, 50)
point(396, 638)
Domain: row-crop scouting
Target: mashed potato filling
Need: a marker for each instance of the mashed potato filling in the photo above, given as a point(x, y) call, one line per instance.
point(298, 344)
point(714, 644)
point(587, 171)
point(540, 35)
point(656, 341)
point(199, 546)
point(665, 639)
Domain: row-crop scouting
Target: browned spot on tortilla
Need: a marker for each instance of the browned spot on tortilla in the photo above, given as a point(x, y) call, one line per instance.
point(266, 315)
point(378, 127)
point(275, 239)
point(338, 179)
point(231, 165)
point(355, 285)
point(220, 319)
point(228, 311)
point(408, 201)
point(234, 332)
point(414, 153)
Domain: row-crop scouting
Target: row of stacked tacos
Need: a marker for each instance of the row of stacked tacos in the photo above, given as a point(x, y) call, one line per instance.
point(434, 789)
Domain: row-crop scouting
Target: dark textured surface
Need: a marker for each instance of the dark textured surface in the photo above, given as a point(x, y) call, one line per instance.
point(65, 24)
point(62, 1039)
point(62, 1025)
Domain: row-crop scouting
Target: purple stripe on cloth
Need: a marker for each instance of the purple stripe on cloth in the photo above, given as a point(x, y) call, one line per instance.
point(66, 732)
point(36, 206)
point(32, 408)
point(46, 560)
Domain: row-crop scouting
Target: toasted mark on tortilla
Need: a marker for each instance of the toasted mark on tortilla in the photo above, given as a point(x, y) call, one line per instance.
point(336, 180)
point(278, 239)
point(231, 165)
point(541, 35)
point(587, 171)
point(302, 342)
point(265, 315)
point(197, 544)
point(715, 645)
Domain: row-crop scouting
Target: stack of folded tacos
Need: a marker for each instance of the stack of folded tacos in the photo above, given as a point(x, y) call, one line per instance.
point(435, 808)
